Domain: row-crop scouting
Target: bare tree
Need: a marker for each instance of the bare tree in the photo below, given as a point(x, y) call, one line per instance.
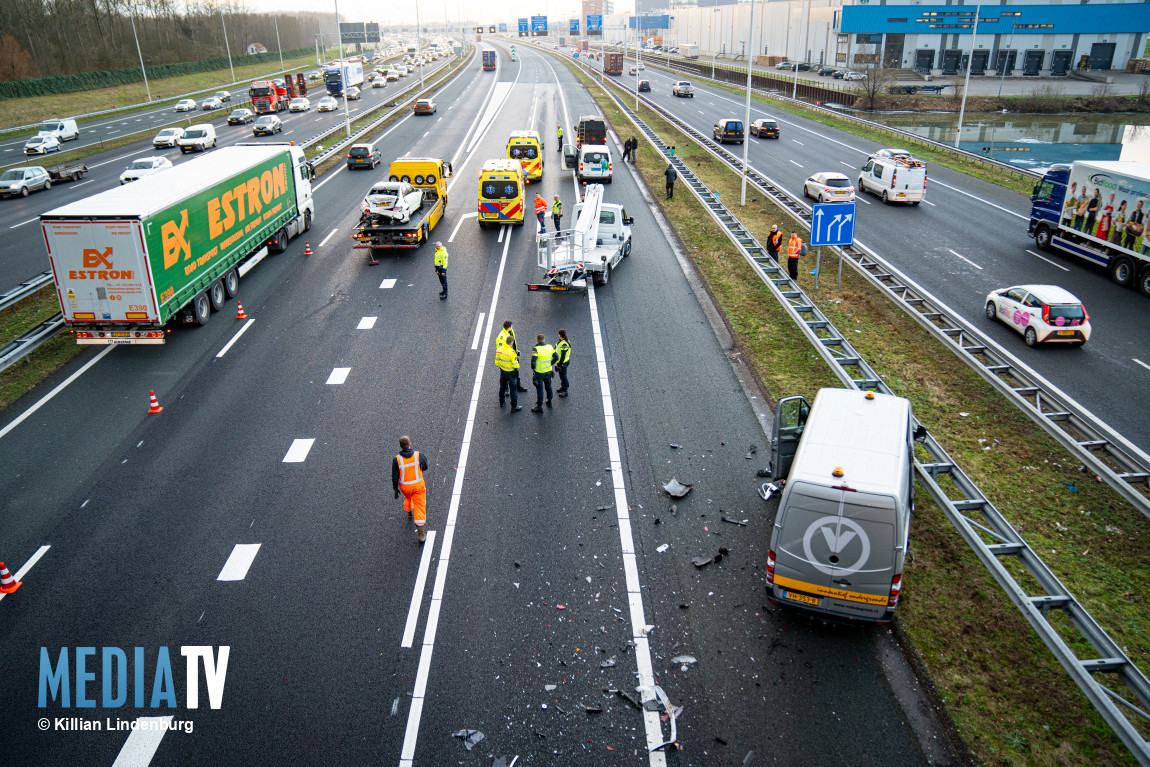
point(15, 62)
point(876, 80)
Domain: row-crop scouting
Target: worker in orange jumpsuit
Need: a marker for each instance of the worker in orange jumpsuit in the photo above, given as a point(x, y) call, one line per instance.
point(407, 475)
point(541, 211)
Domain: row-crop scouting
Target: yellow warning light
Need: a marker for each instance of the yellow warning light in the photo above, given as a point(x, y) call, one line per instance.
point(838, 472)
point(870, 395)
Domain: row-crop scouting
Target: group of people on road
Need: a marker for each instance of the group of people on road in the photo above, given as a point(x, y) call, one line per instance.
point(541, 211)
point(630, 150)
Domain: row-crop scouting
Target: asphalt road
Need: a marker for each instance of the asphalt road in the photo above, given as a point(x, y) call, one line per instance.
point(19, 216)
point(548, 556)
point(967, 239)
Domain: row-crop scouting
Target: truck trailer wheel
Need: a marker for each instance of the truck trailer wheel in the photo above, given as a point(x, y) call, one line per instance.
point(201, 309)
point(278, 243)
point(1144, 282)
point(1042, 237)
point(307, 220)
point(232, 283)
point(1122, 271)
point(217, 295)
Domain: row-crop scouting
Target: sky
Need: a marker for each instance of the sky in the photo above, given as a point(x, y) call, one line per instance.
point(433, 11)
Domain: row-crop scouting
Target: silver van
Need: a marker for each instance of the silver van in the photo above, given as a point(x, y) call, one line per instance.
point(61, 129)
point(840, 536)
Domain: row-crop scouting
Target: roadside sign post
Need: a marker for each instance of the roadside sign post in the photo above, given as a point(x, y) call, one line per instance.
point(832, 223)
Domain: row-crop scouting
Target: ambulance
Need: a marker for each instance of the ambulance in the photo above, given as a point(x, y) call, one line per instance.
point(501, 193)
point(526, 147)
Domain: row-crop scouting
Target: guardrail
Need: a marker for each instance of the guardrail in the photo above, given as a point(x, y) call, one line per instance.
point(978, 521)
point(21, 347)
point(908, 136)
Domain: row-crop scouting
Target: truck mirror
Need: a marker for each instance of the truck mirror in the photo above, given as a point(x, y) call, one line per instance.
point(920, 433)
point(1034, 192)
point(628, 220)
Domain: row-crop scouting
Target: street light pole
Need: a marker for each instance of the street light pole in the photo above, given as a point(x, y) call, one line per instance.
point(227, 45)
point(343, 69)
point(143, 71)
point(747, 117)
point(280, 47)
point(966, 85)
point(418, 45)
point(1005, 58)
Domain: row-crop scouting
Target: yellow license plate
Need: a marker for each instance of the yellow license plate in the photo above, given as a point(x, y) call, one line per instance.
point(902, 194)
point(121, 334)
point(800, 598)
point(1066, 332)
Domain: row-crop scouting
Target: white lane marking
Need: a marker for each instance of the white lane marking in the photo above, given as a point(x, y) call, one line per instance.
point(798, 142)
point(411, 735)
point(417, 591)
point(645, 670)
point(964, 258)
point(843, 163)
point(367, 323)
point(298, 450)
point(82, 183)
point(44, 400)
point(334, 173)
point(502, 232)
point(22, 223)
point(236, 568)
point(931, 204)
point(1140, 362)
point(859, 198)
point(425, 135)
point(795, 163)
point(1047, 260)
point(142, 743)
point(19, 574)
point(387, 284)
point(286, 132)
point(478, 327)
point(318, 119)
point(121, 157)
point(338, 376)
point(458, 224)
point(235, 338)
point(976, 198)
point(700, 111)
point(329, 236)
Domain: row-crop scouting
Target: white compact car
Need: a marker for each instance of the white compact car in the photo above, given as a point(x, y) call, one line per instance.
point(853, 76)
point(212, 103)
point(299, 104)
point(829, 187)
point(167, 138)
point(186, 105)
point(1041, 313)
point(145, 166)
point(395, 200)
point(351, 94)
point(42, 145)
point(328, 104)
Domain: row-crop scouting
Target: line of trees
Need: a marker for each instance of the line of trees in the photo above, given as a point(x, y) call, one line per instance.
point(58, 37)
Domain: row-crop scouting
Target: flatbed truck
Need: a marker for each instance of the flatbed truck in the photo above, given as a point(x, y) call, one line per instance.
point(129, 260)
point(377, 233)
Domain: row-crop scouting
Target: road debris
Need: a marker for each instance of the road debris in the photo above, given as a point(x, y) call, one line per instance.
point(751, 451)
point(725, 518)
point(470, 738)
point(592, 709)
point(663, 548)
point(677, 489)
point(674, 509)
point(624, 695)
point(767, 489)
point(608, 507)
point(702, 562)
point(609, 663)
point(748, 759)
point(674, 446)
point(685, 659)
point(671, 713)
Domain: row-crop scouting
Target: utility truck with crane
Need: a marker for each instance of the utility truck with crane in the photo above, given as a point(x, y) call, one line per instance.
point(600, 240)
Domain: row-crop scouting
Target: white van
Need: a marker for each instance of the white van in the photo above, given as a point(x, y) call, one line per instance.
point(594, 164)
point(841, 532)
point(895, 176)
point(64, 129)
point(197, 138)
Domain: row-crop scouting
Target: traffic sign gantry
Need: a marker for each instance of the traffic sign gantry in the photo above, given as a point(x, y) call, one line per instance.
point(833, 223)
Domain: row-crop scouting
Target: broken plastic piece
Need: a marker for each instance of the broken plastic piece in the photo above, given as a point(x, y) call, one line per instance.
point(674, 446)
point(688, 659)
point(750, 757)
point(625, 696)
point(767, 489)
point(672, 715)
point(663, 548)
point(470, 737)
point(753, 449)
point(734, 521)
point(609, 663)
point(677, 489)
point(592, 709)
point(608, 507)
point(701, 561)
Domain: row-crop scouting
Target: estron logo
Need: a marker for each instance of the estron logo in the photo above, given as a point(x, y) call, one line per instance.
point(837, 540)
point(94, 258)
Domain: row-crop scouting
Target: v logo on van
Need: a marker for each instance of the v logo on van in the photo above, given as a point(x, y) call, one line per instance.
point(836, 542)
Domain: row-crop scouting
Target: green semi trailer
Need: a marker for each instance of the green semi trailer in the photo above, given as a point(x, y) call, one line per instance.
point(174, 245)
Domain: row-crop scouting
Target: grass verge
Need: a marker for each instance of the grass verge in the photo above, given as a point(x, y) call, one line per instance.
point(131, 97)
point(1011, 702)
point(882, 135)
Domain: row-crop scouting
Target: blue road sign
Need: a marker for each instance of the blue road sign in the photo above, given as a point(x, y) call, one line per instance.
point(538, 25)
point(833, 223)
point(523, 25)
point(595, 22)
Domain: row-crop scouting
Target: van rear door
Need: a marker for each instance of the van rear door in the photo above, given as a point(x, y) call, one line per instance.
point(790, 418)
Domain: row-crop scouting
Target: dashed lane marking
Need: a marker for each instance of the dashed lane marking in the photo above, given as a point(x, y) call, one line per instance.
point(242, 556)
point(298, 451)
point(387, 284)
point(338, 376)
point(964, 258)
point(366, 323)
point(1140, 362)
point(235, 338)
point(795, 163)
point(1047, 260)
point(325, 239)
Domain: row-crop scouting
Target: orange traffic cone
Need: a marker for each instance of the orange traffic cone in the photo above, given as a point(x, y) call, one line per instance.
point(155, 408)
point(306, 248)
point(8, 584)
point(240, 314)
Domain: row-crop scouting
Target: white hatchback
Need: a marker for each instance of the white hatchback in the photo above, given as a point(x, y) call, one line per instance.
point(299, 104)
point(144, 166)
point(829, 187)
point(1041, 313)
point(186, 105)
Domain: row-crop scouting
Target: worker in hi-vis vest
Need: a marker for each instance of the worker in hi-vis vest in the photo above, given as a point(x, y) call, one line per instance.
point(543, 360)
point(507, 360)
point(407, 475)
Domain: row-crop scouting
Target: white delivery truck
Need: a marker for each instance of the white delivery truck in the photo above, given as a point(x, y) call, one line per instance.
point(128, 260)
point(600, 240)
point(689, 51)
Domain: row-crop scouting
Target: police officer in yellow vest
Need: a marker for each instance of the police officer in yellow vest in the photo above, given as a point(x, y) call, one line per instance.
point(560, 141)
point(542, 362)
point(507, 336)
point(507, 360)
point(441, 267)
point(563, 349)
point(557, 211)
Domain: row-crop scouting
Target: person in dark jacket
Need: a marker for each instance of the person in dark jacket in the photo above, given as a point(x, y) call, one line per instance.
point(670, 173)
point(774, 242)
